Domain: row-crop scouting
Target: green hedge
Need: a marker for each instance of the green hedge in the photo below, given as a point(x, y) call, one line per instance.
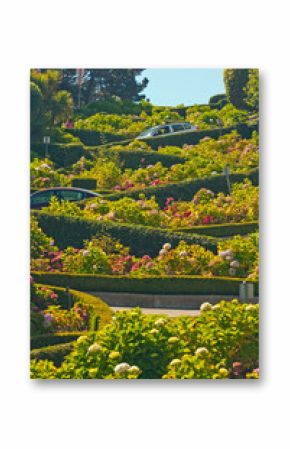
point(72, 231)
point(40, 341)
point(193, 137)
point(216, 98)
point(138, 158)
point(62, 155)
point(91, 138)
point(85, 183)
point(101, 309)
point(185, 190)
point(152, 284)
point(54, 353)
point(222, 230)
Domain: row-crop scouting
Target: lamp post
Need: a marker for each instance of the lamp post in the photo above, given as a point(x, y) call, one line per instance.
point(46, 141)
point(227, 175)
point(220, 125)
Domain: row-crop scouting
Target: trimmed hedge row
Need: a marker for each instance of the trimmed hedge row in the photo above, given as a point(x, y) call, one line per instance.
point(85, 183)
point(100, 307)
point(186, 285)
point(72, 231)
point(64, 155)
point(54, 353)
point(91, 138)
point(222, 230)
point(185, 190)
point(193, 137)
point(61, 154)
point(40, 341)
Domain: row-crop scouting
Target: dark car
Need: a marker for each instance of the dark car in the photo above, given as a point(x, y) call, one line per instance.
point(42, 197)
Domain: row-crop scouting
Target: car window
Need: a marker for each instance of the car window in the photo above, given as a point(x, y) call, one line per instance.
point(178, 127)
point(71, 195)
point(187, 126)
point(163, 130)
point(148, 132)
point(43, 197)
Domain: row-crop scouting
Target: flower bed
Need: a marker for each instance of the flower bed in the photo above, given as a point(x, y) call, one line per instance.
point(104, 255)
point(69, 230)
point(221, 343)
point(58, 316)
point(205, 208)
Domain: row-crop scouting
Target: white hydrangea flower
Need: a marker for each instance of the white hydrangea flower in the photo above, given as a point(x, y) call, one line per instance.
point(154, 331)
point(95, 348)
point(160, 322)
point(162, 252)
point(201, 351)
point(121, 368)
point(235, 264)
point(250, 307)
point(205, 306)
point(183, 254)
point(175, 362)
point(226, 253)
point(223, 371)
point(134, 370)
point(167, 246)
point(82, 339)
point(173, 340)
point(86, 252)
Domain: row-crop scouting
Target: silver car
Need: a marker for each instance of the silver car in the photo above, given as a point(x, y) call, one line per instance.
point(169, 128)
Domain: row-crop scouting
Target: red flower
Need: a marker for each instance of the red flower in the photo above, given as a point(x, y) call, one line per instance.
point(207, 219)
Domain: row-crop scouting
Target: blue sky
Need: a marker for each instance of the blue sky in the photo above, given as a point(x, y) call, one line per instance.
point(169, 87)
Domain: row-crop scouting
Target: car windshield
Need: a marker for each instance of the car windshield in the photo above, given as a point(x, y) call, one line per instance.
point(147, 132)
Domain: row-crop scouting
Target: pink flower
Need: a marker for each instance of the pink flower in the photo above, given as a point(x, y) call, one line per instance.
point(169, 200)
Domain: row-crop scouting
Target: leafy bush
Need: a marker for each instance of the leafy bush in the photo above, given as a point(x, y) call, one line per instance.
point(236, 257)
point(43, 174)
point(72, 231)
point(222, 342)
point(184, 190)
point(171, 285)
point(204, 208)
point(39, 241)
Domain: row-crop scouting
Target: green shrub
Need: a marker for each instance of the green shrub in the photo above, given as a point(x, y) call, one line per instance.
point(222, 230)
point(217, 98)
point(62, 155)
point(179, 285)
point(40, 341)
point(84, 182)
point(55, 354)
point(185, 190)
point(92, 138)
point(72, 231)
point(221, 343)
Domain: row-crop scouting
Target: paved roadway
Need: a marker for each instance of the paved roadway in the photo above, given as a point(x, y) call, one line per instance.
point(169, 312)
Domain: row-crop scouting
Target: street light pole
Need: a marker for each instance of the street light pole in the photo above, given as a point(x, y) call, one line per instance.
point(227, 175)
point(46, 141)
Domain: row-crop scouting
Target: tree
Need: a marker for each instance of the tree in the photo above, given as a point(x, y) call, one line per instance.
point(49, 105)
point(104, 83)
point(235, 81)
point(252, 90)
